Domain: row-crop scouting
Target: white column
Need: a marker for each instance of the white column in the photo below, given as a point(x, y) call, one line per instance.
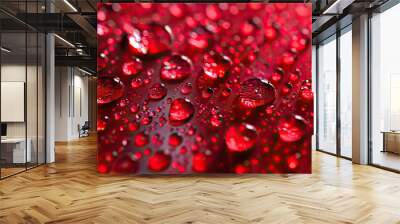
point(360, 90)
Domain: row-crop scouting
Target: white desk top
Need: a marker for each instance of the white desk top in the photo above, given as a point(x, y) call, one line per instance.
point(12, 140)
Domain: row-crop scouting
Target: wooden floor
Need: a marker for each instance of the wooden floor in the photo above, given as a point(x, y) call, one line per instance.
point(70, 191)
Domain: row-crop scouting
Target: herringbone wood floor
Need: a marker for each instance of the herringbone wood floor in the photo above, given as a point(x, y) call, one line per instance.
point(70, 191)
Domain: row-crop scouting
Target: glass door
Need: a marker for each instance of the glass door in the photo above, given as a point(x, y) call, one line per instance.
point(345, 92)
point(327, 95)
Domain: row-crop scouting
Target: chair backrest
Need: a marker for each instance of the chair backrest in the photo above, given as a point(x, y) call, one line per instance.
point(86, 125)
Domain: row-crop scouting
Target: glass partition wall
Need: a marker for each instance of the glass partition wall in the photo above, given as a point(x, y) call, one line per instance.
point(385, 90)
point(22, 77)
point(334, 94)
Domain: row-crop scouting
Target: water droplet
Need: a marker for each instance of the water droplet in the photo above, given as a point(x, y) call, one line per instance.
point(200, 38)
point(159, 162)
point(132, 67)
point(186, 89)
point(136, 83)
point(215, 65)
point(125, 165)
point(207, 93)
point(174, 140)
point(291, 129)
point(270, 33)
point(141, 139)
point(199, 162)
point(255, 93)
point(109, 90)
point(181, 110)
point(175, 68)
point(149, 39)
point(240, 137)
point(157, 91)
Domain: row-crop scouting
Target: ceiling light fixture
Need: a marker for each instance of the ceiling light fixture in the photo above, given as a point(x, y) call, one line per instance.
point(84, 71)
point(70, 5)
point(64, 40)
point(5, 50)
point(337, 7)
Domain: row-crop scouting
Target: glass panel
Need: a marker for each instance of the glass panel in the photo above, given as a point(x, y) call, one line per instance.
point(31, 99)
point(41, 98)
point(327, 96)
point(346, 94)
point(385, 84)
point(13, 86)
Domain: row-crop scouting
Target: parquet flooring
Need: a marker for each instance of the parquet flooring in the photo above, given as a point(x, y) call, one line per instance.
point(71, 191)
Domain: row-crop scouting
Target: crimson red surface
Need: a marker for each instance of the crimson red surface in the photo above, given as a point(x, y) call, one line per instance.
point(204, 88)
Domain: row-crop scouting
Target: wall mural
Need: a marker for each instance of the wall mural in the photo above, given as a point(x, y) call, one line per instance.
point(204, 88)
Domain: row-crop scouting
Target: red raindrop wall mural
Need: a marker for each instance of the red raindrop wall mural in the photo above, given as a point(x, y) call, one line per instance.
point(204, 88)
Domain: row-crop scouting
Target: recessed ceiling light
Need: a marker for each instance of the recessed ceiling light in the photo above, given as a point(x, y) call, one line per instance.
point(5, 50)
point(64, 40)
point(70, 5)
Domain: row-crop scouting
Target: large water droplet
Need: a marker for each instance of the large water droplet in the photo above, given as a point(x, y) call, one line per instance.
point(157, 91)
point(181, 110)
point(240, 137)
point(149, 39)
point(109, 90)
point(215, 65)
point(291, 129)
point(175, 68)
point(255, 93)
point(159, 162)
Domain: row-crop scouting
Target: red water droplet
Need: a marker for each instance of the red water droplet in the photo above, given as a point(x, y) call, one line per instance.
point(291, 129)
point(216, 120)
point(125, 165)
point(101, 125)
point(213, 12)
point(288, 59)
point(298, 43)
point(215, 65)
point(136, 83)
point(133, 126)
point(103, 167)
point(240, 137)
point(159, 162)
point(181, 110)
point(199, 39)
point(207, 93)
point(157, 91)
point(270, 33)
point(286, 89)
point(255, 93)
point(199, 162)
point(241, 169)
point(141, 139)
point(149, 39)
point(292, 162)
point(176, 68)
point(174, 140)
point(132, 67)
point(307, 95)
point(109, 90)
point(186, 89)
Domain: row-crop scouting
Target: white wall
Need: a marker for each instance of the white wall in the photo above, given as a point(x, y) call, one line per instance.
point(71, 94)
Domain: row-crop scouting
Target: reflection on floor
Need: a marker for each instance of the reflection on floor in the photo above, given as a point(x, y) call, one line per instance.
point(11, 169)
point(71, 191)
point(387, 159)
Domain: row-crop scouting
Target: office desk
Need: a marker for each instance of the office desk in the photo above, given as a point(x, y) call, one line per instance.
point(13, 150)
point(391, 141)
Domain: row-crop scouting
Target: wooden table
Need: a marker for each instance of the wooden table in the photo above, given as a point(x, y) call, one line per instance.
point(391, 141)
